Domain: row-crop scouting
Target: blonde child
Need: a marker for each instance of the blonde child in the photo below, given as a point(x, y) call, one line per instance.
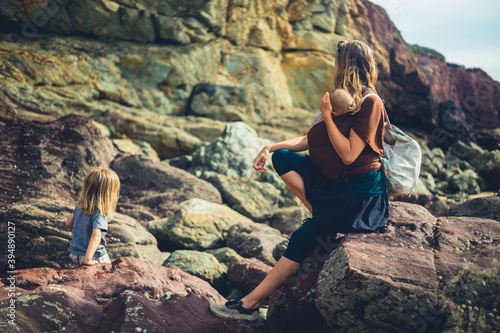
point(341, 101)
point(89, 220)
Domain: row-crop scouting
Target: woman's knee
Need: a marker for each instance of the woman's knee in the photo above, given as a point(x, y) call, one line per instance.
point(280, 161)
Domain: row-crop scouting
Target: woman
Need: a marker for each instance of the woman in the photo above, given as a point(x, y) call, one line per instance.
point(340, 182)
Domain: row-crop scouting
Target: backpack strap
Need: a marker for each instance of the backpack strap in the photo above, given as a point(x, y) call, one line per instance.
point(388, 124)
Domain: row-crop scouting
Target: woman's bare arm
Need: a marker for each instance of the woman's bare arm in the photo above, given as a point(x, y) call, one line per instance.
point(296, 144)
point(347, 148)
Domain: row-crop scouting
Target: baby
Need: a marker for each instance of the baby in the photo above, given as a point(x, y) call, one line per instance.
point(341, 101)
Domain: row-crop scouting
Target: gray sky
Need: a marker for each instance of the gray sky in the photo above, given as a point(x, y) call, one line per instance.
point(466, 32)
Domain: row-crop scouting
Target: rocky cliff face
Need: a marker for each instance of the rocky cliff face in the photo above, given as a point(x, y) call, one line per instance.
point(205, 84)
point(136, 66)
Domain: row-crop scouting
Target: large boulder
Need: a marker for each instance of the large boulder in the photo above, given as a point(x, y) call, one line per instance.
point(412, 276)
point(232, 154)
point(153, 189)
point(200, 264)
point(196, 225)
point(251, 198)
point(226, 256)
point(124, 294)
point(488, 166)
point(254, 240)
point(248, 273)
point(42, 239)
point(226, 103)
point(288, 219)
point(485, 207)
point(50, 159)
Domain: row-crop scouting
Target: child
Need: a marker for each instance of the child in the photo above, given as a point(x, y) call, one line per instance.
point(89, 220)
point(341, 101)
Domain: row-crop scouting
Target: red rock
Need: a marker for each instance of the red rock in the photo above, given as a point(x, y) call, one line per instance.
point(412, 275)
point(415, 81)
point(247, 273)
point(133, 293)
point(292, 308)
point(188, 313)
point(435, 205)
point(486, 207)
point(466, 243)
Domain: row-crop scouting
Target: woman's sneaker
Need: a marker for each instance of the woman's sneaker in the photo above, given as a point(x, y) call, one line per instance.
point(234, 310)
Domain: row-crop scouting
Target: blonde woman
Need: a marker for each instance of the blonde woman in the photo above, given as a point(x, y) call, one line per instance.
point(340, 181)
point(89, 220)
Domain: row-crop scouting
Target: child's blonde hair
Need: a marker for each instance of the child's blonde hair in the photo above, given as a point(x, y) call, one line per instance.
point(101, 188)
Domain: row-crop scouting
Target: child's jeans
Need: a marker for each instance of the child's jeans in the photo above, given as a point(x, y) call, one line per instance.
point(79, 259)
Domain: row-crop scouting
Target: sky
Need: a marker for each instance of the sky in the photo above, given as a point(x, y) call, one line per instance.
point(466, 32)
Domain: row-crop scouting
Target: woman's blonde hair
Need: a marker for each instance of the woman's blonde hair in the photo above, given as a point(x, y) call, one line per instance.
point(101, 188)
point(356, 66)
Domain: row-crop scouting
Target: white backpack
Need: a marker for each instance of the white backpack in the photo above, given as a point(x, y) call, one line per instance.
point(401, 160)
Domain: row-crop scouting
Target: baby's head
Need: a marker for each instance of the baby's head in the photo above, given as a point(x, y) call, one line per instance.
point(342, 102)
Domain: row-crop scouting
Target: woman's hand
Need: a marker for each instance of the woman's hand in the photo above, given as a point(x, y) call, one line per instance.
point(325, 106)
point(261, 159)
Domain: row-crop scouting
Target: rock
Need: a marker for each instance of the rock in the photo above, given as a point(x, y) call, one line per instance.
point(152, 189)
point(437, 206)
point(141, 21)
point(226, 256)
point(254, 240)
point(133, 312)
point(466, 151)
point(287, 197)
point(465, 182)
point(226, 103)
point(247, 273)
point(42, 239)
point(287, 220)
point(196, 225)
point(125, 289)
point(241, 44)
point(124, 273)
point(232, 154)
point(183, 162)
point(50, 159)
point(309, 75)
point(484, 207)
point(292, 307)
point(253, 199)
point(128, 146)
point(200, 264)
point(488, 166)
point(421, 188)
point(410, 276)
point(53, 308)
point(427, 180)
point(280, 249)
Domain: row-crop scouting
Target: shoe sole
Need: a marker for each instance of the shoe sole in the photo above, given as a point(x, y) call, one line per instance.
point(224, 315)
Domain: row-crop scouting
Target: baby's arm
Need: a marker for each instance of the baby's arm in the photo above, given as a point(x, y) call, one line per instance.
point(94, 242)
point(69, 221)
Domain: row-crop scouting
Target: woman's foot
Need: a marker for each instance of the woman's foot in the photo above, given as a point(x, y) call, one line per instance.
point(234, 310)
